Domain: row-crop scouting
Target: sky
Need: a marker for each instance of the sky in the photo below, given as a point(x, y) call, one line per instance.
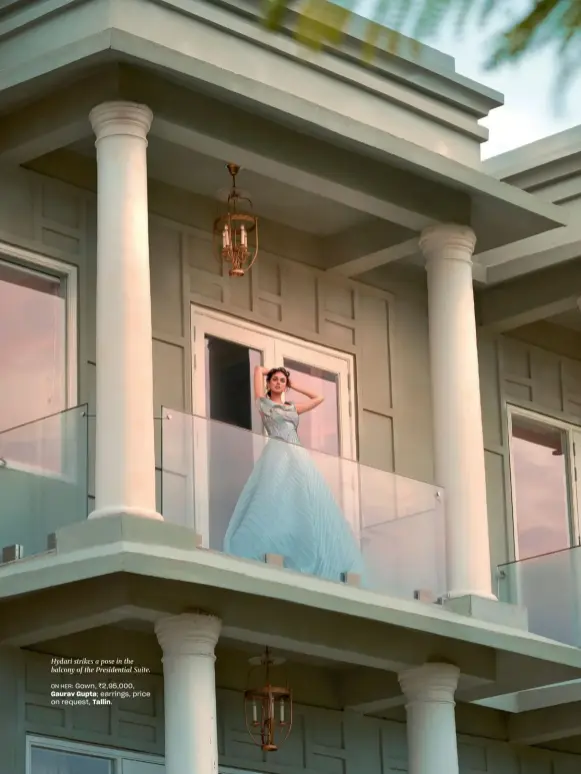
point(529, 87)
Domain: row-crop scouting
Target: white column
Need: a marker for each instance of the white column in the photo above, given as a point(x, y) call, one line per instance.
point(458, 437)
point(125, 458)
point(188, 642)
point(431, 724)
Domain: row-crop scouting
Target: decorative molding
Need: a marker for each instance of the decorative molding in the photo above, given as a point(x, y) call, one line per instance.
point(120, 118)
point(430, 683)
point(188, 634)
point(448, 240)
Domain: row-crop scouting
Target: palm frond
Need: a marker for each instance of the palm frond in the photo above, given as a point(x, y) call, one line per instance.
point(551, 23)
point(274, 12)
point(487, 9)
point(322, 23)
point(526, 34)
point(463, 13)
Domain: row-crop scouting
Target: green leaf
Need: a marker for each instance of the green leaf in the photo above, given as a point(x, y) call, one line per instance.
point(547, 23)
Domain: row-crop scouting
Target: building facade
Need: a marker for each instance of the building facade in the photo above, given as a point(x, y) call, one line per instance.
point(431, 298)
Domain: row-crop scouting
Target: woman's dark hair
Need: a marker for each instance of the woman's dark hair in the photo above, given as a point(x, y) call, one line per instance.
point(274, 371)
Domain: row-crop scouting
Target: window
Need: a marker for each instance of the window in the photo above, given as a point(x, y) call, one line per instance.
point(32, 343)
point(44, 760)
point(544, 483)
point(51, 756)
point(38, 359)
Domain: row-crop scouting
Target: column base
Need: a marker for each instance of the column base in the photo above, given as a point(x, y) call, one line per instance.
point(489, 610)
point(121, 510)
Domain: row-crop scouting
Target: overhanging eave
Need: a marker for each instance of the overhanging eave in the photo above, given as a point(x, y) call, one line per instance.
point(494, 207)
point(456, 191)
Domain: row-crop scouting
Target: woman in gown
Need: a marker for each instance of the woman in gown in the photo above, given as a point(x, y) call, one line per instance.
point(286, 506)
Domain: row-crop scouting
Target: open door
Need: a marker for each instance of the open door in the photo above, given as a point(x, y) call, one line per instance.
point(228, 433)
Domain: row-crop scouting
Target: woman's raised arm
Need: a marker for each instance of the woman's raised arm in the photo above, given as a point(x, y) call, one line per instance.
point(259, 374)
point(314, 398)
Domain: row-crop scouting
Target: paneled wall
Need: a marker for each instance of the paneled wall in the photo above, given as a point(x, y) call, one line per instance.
point(516, 372)
point(304, 302)
point(386, 332)
point(322, 741)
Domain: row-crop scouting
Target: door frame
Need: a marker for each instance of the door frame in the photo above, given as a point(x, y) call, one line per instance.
point(247, 333)
point(573, 433)
point(29, 262)
point(265, 340)
point(573, 486)
point(116, 754)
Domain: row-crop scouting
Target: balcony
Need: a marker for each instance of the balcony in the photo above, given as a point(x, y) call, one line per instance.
point(398, 523)
point(550, 587)
point(43, 481)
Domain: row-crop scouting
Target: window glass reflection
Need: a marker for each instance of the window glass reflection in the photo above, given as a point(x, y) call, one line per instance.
point(319, 429)
point(32, 346)
point(47, 761)
point(541, 489)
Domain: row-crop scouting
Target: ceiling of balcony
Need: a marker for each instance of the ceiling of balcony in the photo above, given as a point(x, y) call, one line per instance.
point(200, 174)
point(247, 649)
point(570, 319)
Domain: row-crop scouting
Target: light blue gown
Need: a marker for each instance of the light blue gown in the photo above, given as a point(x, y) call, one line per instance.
point(287, 508)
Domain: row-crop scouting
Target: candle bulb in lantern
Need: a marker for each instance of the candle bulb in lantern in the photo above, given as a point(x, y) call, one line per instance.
point(236, 238)
point(267, 707)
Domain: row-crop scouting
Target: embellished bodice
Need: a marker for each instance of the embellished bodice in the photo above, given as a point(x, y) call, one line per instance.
point(280, 421)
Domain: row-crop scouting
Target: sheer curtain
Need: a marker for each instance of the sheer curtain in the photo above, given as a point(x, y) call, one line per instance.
point(47, 761)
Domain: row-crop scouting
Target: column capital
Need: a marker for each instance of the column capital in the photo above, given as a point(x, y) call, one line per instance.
point(430, 683)
point(448, 240)
point(121, 118)
point(189, 634)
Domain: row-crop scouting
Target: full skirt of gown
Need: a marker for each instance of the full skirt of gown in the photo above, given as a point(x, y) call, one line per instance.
point(287, 508)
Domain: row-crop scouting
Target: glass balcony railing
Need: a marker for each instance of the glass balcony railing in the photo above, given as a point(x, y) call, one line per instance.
point(549, 586)
point(43, 481)
point(397, 524)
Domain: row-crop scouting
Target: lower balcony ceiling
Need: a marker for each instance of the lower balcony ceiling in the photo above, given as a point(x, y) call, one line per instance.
point(570, 319)
point(247, 649)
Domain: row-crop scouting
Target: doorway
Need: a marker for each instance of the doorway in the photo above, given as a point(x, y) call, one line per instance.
point(228, 434)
